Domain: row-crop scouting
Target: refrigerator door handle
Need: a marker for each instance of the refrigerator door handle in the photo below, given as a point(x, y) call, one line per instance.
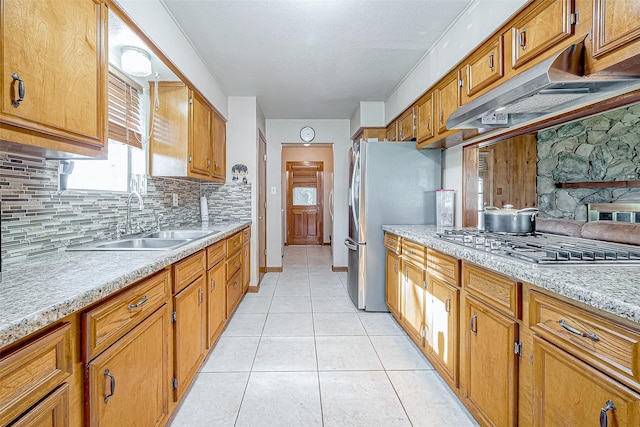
point(352, 244)
point(356, 166)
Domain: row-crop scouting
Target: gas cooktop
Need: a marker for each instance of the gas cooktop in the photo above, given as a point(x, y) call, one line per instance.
point(545, 249)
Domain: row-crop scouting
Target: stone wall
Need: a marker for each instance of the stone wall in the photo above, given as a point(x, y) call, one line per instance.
point(605, 147)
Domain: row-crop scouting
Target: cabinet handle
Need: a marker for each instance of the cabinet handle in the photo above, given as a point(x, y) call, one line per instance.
point(490, 61)
point(235, 264)
point(213, 285)
point(523, 39)
point(427, 124)
point(112, 386)
point(200, 294)
point(190, 159)
point(235, 284)
point(604, 420)
point(16, 102)
point(447, 305)
point(441, 116)
point(138, 304)
point(208, 163)
point(473, 323)
point(591, 336)
point(395, 267)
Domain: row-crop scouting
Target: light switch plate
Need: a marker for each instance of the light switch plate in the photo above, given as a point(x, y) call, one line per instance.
point(273, 191)
point(175, 200)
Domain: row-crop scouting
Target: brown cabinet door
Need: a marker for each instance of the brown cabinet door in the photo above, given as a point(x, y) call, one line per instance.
point(219, 148)
point(413, 301)
point(615, 24)
point(53, 411)
point(216, 302)
point(482, 69)
point(199, 138)
point(128, 384)
point(406, 127)
point(488, 372)
point(57, 49)
point(393, 284)
point(444, 326)
point(424, 119)
point(546, 25)
point(246, 266)
point(234, 292)
point(392, 132)
point(568, 392)
point(189, 335)
point(447, 96)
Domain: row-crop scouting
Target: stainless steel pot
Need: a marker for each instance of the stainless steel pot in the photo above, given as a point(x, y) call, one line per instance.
point(509, 220)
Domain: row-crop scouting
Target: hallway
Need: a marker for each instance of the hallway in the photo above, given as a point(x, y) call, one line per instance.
point(299, 354)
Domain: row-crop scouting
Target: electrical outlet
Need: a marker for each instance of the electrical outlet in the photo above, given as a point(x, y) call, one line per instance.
point(273, 190)
point(175, 200)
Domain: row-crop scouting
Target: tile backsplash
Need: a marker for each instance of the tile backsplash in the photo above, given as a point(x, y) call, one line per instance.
point(38, 218)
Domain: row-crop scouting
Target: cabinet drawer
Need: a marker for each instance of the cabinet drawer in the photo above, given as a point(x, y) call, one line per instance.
point(33, 370)
point(188, 270)
point(415, 252)
point(51, 411)
point(233, 264)
point(608, 346)
point(392, 242)
point(443, 266)
point(215, 254)
point(246, 235)
point(501, 292)
point(234, 243)
point(108, 322)
point(234, 292)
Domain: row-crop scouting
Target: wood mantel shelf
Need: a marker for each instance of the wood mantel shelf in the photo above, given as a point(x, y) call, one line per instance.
point(598, 184)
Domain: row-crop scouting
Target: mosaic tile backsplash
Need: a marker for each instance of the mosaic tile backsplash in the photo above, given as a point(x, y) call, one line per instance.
point(37, 218)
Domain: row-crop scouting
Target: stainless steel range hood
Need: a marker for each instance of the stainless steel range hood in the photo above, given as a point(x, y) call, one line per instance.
point(556, 84)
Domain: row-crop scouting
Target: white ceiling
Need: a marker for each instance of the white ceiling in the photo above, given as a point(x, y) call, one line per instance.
point(313, 59)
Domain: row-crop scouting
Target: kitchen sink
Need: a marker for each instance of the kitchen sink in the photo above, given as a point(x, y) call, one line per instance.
point(155, 241)
point(180, 234)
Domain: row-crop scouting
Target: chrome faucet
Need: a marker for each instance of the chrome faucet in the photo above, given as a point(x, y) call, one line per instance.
point(140, 203)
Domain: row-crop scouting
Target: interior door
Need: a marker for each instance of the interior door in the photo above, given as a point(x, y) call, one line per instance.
point(305, 203)
point(262, 206)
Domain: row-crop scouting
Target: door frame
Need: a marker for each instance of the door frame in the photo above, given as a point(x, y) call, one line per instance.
point(262, 206)
point(319, 167)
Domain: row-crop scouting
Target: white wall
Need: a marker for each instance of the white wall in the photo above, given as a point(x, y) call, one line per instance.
point(478, 21)
point(288, 131)
point(452, 178)
point(367, 114)
point(158, 24)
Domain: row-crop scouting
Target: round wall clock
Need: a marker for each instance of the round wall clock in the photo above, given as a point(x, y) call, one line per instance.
point(307, 134)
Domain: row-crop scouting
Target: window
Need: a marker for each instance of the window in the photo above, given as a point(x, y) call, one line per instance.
point(125, 168)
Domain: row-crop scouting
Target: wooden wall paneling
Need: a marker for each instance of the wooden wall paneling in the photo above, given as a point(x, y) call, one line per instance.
point(470, 186)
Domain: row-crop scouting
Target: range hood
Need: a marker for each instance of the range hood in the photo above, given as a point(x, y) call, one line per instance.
point(556, 84)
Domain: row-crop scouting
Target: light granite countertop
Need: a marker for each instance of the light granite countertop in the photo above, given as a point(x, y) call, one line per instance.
point(614, 289)
point(41, 290)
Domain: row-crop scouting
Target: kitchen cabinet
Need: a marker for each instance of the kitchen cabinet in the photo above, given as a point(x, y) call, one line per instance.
point(128, 384)
point(60, 70)
point(443, 339)
point(33, 370)
point(365, 133)
point(189, 306)
point(570, 392)
point(489, 346)
point(186, 135)
point(406, 126)
point(616, 36)
point(217, 296)
point(413, 294)
point(246, 259)
point(394, 280)
point(447, 96)
point(51, 411)
point(425, 129)
point(233, 272)
point(547, 23)
point(392, 131)
point(482, 69)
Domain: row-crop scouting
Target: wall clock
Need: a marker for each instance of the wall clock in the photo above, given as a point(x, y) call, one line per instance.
point(307, 134)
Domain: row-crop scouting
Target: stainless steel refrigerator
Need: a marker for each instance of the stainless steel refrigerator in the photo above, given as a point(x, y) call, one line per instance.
point(390, 183)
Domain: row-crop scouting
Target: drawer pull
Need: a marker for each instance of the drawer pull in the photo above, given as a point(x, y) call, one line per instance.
point(473, 324)
point(138, 304)
point(604, 420)
point(490, 61)
point(16, 102)
point(112, 386)
point(591, 336)
point(523, 39)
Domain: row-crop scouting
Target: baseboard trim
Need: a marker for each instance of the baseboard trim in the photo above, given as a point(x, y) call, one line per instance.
point(339, 269)
point(253, 289)
point(273, 270)
point(326, 244)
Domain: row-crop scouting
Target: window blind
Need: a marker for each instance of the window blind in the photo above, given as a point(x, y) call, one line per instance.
point(124, 111)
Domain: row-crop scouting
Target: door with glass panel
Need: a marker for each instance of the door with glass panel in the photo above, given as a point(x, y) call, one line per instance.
point(304, 203)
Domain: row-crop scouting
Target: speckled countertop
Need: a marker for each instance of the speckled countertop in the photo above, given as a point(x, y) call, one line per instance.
point(37, 292)
point(614, 289)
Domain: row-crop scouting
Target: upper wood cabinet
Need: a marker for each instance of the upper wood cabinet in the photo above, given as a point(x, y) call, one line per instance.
point(365, 133)
point(616, 36)
point(406, 127)
point(483, 68)
point(548, 23)
point(447, 100)
point(425, 129)
point(392, 131)
point(54, 75)
point(187, 136)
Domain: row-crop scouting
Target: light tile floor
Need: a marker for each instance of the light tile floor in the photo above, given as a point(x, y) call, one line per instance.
point(298, 353)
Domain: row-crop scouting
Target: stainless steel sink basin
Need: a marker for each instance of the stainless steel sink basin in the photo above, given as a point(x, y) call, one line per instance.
point(138, 244)
point(179, 234)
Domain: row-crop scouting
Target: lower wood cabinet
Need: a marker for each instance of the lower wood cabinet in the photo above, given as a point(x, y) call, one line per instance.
point(246, 265)
point(216, 302)
point(488, 368)
point(189, 333)
point(443, 309)
point(51, 411)
point(234, 292)
point(128, 384)
point(571, 393)
point(394, 282)
point(413, 301)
